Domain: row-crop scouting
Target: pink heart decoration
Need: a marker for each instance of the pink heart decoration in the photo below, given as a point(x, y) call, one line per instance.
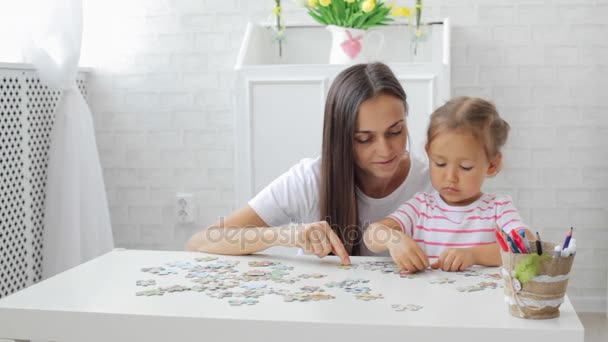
point(351, 46)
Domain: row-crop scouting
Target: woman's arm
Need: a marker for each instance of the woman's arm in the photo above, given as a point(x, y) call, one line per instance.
point(242, 232)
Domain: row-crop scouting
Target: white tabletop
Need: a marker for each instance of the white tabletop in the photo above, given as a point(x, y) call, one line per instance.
point(96, 301)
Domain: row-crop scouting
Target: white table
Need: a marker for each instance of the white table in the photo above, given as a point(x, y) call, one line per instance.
point(96, 301)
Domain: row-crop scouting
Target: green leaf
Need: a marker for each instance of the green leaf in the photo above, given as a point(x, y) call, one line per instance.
point(345, 14)
point(317, 17)
point(339, 12)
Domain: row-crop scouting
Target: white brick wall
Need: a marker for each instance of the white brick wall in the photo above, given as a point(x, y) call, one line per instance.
point(163, 112)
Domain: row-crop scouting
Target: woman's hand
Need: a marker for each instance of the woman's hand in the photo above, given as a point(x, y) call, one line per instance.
point(406, 253)
point(455, 259)
point(318, 238)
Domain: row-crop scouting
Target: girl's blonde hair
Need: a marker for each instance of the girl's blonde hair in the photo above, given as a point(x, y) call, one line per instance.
point(473, 115)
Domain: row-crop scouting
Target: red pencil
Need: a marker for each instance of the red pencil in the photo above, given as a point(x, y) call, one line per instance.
point(518, 241)
point(501, 240)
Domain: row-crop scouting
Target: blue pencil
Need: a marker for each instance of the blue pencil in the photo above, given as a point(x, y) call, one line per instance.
point(568, 237)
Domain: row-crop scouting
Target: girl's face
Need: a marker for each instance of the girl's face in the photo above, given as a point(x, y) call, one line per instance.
point(458, 166)
point(380, 136)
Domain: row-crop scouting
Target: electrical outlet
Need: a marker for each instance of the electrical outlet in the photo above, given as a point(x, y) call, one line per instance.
point(184, 207)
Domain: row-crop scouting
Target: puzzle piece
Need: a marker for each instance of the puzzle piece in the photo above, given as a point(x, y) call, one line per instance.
point(470, 288)
point(346, 283)
point(145, 282)
point(368, 296)
point(364, 289)
point(239, 302)
point(495, 276)
point(206, 259)
point(264, 263)
point(281, 267)
point(152, 292)
point(174, 288)
point(407, 275)
point(469, 273)
point(488, 284)
point(219, 294)
point(159, 271)
point(312, 275)
point(311, 289)
point(348, 267)
point(182, 265)
point(305, 297)
point(407, 307)
point(252, 286)
point(442, 280)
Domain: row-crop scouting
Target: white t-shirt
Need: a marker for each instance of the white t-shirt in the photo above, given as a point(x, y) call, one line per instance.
point(435, 225)
point(294, 196)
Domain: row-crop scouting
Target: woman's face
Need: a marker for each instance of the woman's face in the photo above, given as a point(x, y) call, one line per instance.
point(380, 136)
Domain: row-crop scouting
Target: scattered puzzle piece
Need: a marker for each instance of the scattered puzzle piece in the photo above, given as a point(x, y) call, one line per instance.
point(469, 273)
point(348, 267)
point(145, 282)
point(495, 276)
point(407, 307)
point(311, 289)
point(312, 275)
point(470, 288)
point(305, 297)
point(442, 280)
point(205, 259)
point(174, 288)
point(264, 263)
point(239, 302)
point(153, 292)
point(368, 296)
point(252, 286)
point(219, 279)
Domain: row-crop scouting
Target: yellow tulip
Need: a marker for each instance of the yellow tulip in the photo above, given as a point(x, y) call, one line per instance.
point(325, 3)
point(313, 3)
point(400, 12)
point(368, 6)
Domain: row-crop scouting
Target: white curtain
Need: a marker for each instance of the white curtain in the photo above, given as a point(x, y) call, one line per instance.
point(76, 218)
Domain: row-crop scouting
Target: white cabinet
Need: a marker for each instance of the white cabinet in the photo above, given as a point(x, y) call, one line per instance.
point(280, 101)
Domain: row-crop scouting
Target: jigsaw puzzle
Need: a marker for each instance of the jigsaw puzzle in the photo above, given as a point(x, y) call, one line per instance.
point(221, 279)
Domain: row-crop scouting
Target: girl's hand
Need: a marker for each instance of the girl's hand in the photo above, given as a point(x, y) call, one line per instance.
point(455, 259)
point(406, 253)
point(318, 238)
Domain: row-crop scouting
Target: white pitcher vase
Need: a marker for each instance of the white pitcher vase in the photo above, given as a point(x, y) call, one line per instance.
point(351, 46)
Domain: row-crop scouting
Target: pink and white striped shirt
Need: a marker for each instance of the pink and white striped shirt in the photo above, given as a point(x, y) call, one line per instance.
point(435, 225)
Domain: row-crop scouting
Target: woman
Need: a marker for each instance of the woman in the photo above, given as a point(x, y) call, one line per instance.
point(323, 205)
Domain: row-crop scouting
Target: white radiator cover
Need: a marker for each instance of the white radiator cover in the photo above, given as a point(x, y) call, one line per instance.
point(26, 118)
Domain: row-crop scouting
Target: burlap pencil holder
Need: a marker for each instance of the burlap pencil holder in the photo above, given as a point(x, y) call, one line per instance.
point(541, 296)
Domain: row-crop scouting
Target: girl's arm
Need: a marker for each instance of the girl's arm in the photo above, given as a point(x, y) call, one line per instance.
point(387, 235)
point(379, 234)
point(459, 259)
point(486, 255)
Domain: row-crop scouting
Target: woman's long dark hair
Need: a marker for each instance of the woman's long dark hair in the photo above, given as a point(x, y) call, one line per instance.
point(338, 199)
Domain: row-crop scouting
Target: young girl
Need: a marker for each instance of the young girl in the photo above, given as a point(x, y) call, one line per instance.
point(456, 222)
